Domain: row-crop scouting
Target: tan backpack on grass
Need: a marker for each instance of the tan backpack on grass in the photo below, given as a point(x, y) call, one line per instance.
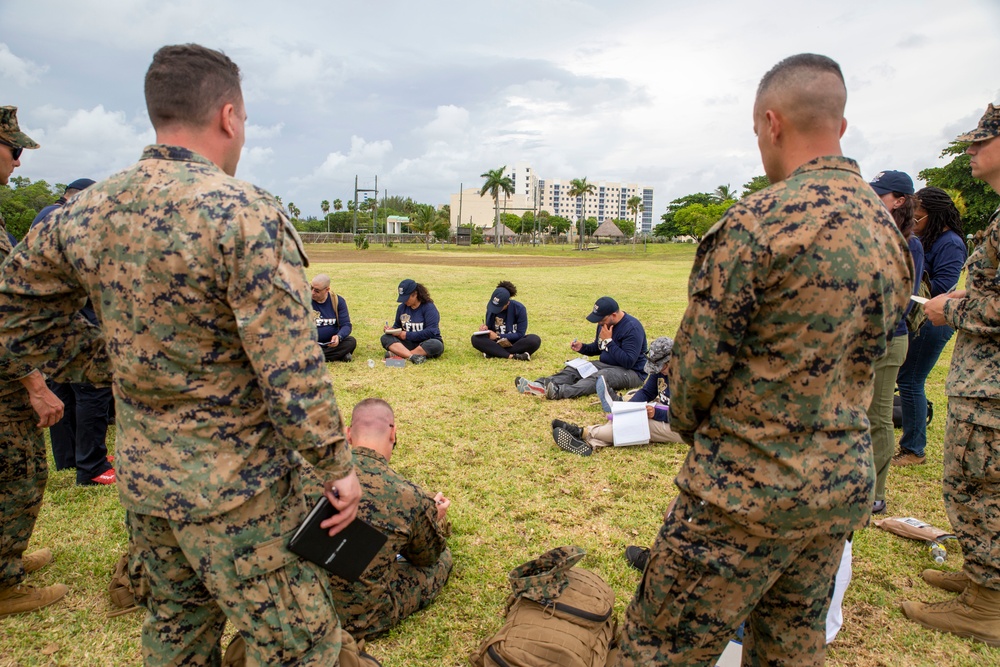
point(120, 589)
point(557, 616)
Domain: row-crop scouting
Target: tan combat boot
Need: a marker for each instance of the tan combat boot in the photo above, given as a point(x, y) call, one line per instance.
point(949, 581)
point(975, 613)
point(36, 560)
point(22, 598)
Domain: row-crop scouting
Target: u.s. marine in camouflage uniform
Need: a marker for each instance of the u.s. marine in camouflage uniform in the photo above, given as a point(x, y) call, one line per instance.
point(222, 399)
point(414, 563)
point(791, 298)
point(971, 482)
point(23, 467)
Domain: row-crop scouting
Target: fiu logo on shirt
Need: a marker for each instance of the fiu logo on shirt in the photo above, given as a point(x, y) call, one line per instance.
point(498, 324)
point(324, 321)
point(408, 325)
point(661, 389)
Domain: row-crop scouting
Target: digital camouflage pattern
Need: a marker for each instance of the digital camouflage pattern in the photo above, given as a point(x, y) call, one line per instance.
point(971, 484)
point(23, 466)
point(197, 277)
point(389, 590)
point(10, 132)
point(193, 576)
point(791, 298)
point(696, 590)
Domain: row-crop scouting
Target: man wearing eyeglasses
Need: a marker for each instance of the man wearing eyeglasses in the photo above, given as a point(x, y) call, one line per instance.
point(333, 322)
point(23, 466)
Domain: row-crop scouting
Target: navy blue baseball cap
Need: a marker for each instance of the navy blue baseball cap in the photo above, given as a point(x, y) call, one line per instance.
point(605, 306)
point(80, 184)
point(892, 181)
point(500, 298)
point(406, 288)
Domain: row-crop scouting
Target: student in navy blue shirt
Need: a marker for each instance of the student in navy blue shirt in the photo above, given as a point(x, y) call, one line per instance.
point(506, 327)
point(415, 333)
point(655, 392)
point(333, 322)
point(938, 224)
point(621, 344)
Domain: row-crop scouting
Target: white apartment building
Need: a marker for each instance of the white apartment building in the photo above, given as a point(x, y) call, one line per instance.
point(609, 200)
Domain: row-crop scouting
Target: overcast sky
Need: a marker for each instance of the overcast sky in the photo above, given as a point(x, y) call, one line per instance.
point(428, 95)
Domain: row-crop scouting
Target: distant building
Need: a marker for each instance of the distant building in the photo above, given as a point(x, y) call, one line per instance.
point(609, 201)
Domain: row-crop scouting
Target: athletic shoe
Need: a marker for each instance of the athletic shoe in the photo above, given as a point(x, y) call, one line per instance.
point(522, 356)
point(348, 357)
point(551, 391)
point(525, 386)
point(573, 429)
point(904, 458)
point(637, 557)
point(602, 392)
point(105, 478)
point(36, 560)
point(567, 442)
point(878, 507)
point(417, 358)
point(388, 355)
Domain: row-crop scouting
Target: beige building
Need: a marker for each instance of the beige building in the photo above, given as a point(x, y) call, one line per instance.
point(608, 202)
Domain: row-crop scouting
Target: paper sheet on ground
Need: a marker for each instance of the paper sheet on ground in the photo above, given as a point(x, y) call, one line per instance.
point(582, 366)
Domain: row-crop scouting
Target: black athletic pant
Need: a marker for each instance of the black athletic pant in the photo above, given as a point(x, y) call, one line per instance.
point(528, 343)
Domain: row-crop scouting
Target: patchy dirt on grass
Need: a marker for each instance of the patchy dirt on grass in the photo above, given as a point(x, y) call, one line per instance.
point(473, 257)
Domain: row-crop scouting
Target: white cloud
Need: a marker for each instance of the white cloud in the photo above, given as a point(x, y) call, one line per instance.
point(19, 70)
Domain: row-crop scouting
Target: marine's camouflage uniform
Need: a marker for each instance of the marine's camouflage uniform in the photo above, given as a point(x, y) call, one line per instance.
point(23, 467)
point(222, 397)
point(972, 434)
point(791, 298)
point(391, 589)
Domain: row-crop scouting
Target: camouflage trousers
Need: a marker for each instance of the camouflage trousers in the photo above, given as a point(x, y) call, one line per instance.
point(23, 473)
point(410, 589)
point(706, 575)
point(193, 576)
point(971, 484)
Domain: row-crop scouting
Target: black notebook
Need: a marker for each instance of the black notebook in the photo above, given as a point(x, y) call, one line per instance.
point(347, 553)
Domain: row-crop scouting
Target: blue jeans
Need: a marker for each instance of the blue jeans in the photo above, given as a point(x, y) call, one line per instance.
point(923, 353)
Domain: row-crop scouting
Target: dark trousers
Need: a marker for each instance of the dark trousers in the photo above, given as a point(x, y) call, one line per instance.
point(345, 347)
point(528, 343)
point(79, 439)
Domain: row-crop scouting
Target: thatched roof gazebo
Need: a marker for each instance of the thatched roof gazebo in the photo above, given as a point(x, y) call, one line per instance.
point(608, 230)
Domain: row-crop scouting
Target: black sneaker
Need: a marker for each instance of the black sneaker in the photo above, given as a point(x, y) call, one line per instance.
point(522, 356)
point(637, 557)
point(879, 506)
point(571, 444)
point(417, 358)
point(348, 357)
point(573, 429)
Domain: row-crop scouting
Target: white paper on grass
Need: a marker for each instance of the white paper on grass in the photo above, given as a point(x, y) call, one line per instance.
point(582, 366)
point(629, 424)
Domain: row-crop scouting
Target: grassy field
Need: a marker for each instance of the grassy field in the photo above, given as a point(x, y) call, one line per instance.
point(464, 430)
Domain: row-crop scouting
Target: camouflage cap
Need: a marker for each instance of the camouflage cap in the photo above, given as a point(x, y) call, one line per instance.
point(10, 133)
point(544, 578)
point(989, 126)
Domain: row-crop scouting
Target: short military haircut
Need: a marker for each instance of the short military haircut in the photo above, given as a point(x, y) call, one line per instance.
point(800, 87)
point(187, 83)
point(372, 415)
point(321, 280)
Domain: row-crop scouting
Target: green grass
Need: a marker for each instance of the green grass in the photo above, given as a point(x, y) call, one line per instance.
point(464, 430)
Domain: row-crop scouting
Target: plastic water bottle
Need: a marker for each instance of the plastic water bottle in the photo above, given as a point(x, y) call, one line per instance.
point(938, 552)
point(371, 363)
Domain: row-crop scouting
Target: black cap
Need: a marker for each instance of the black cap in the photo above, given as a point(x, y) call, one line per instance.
point(80, 184)
point(406, 288)
point(892, 181)
point(605, 306)
point(500, 298)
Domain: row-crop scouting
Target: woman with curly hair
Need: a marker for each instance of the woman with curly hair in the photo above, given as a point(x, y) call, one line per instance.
point(415, 332)
point(505, 333)
point(938, 225)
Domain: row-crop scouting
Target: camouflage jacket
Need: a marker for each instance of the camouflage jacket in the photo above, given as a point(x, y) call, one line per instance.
point(14, 403)
point(408, 517)
point(975, 362)
point(791, 298)
point(198, 281)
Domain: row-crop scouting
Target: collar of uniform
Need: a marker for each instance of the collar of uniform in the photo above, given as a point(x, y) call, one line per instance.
point(838, 162)
point(370, 453)
point(167, 152)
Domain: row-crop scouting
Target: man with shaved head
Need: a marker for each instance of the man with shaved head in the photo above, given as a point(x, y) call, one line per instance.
point(792, 297)
point(413, 565)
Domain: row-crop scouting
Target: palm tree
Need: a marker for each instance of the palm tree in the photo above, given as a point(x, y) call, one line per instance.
point(424, 223)
point(325, 205)
point(723, 192)
point(579, 187)
point(294, 210)
point(495, 183)
point(634, 205)
point(337, 204)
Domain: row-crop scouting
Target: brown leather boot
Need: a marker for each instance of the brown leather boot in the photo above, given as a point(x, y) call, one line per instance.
point(36, 560)
point(23, 598)
point(949, 581)
point(975, 613)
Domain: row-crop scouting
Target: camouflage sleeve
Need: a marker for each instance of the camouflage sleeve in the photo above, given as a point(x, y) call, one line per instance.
point(40, 320)
point(269, 295)
point(721, 303)
point(427, 541)
point(979, 312)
